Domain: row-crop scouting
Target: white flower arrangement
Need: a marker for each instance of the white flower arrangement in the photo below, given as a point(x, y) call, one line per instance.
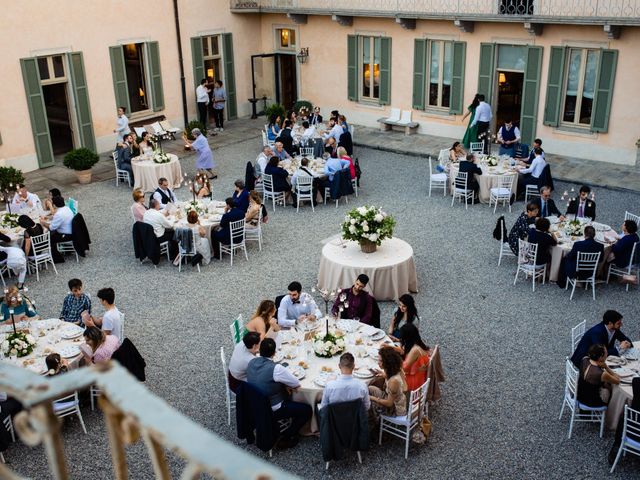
point(18, 344)
point(161, 157)
point(368, 223)
point(328, 345)
point(492, 161)
point(195, 206)
point(574, 228)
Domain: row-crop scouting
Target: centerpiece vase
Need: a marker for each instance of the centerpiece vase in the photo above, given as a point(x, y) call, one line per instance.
point(367, 246)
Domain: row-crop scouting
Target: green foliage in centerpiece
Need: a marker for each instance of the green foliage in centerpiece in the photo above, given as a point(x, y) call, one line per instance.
point(368, 223)
point(19, 344)
point(328, 345)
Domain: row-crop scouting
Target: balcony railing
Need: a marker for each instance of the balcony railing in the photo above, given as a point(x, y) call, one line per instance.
point(555, 11)
point(131, 413)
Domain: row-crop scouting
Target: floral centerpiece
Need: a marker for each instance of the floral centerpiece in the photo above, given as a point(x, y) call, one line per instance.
point(10, 220)
point(328, 345)
point(574, 228)
point(369, 226)
point(492, 161)
point(193, 205)
point(19, 344)
point(161, 157)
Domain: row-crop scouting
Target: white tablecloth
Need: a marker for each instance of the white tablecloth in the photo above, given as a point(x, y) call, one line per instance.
point(147, 173)
point(621, 395)
point(488, 180)
point(209, 218)
point(391, 269)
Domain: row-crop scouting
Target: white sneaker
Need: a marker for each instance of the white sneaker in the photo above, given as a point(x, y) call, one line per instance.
point(216, 129)
point(221, 129)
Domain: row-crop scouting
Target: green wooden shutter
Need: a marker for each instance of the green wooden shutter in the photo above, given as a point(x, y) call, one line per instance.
point(456, 94)
point(229, 76)
point(555, 79)
point(197, 60)
point(419, 71)
point(486, 73)
point(530, 90)
point(119, 74)
point(37, 111)
point(385, 71)
point(81, 97)
point(157, 93)
point(352, 68)
point(604, 90)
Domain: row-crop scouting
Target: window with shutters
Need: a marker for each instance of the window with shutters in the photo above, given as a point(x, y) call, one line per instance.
point(369, 66)
point(136, 71)
point(212, 56)
point(440, 63)
point(579, 86)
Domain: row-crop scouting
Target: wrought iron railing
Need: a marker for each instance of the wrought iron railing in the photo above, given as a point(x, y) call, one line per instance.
point(627, 11)
point(131, 413)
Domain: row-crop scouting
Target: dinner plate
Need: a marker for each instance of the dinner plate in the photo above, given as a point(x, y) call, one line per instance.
point(631, 354)
point(359, 351)
point(379, 335)
point(298, 372)
point(279, 356)
point(363, 372)
point(348, 325)
point(324, 377)
point(69, 351)
point(625, 372)
point(373, 352)
point(72, 331)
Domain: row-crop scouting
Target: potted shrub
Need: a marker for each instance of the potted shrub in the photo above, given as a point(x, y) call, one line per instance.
point(195, 124)
point(9, 178)
point(275, 109)
point(303, 107)
point(81, 160)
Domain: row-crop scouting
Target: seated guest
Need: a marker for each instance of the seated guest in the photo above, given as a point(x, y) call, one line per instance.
point(582, 207)
point(595, 378)
point(469, 166)
point(406, 312)
point(354, 302)
point(342, 155)
point(570, 261)
point(280, 153)
point(163, 194)
point(390, 399)
point(543, 239)
point(99, 347)
point(146, 143)
point(335, 131)
point(286, 138)
point(621, 250)
point(200, 240)
point(56, 364)
point(16, 260)
point(264, 321)
point(162, 228)
point(273, 129)
point(308, 133)
point(635, 404)
point(604, 333)
point(346, 388)
point(138, 208)
point(60, 227)
point(333, 165)
point(303, 171)
point(331, 147)
point(526, 161)
point(261, 161)
point(202, 185)
point(24, 200)
point(241, 195)
point(222, 233)
point(252, 217)
point(297, 306)
point(546, 204)
point(75, 302)
point(508, 136)
point(457, 153)
point(124, 154)
point(315, 118)
point(48, 203)
point(276, 381)
point(111, 322)
point(415, 355)
point(292, 116)
point(243, 353)
point(31, 229)
point(279, 174)
point(520, 229)
point(21, 306)
point(531, 175)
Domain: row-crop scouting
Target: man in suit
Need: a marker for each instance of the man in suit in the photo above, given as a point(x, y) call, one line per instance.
point(123, 154)
point(546, 205)
point(223, 233)
point(582, 207)
point(569, 263)
point(286, 138)
point(315, 118)
point(605, 333)
point(469, 166)
point(621, 250)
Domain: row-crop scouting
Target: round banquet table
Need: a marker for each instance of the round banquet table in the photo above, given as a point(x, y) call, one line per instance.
point(622, 394)
point(391, 269)
point(209, 219)
point(488, 179)
point(147, 173)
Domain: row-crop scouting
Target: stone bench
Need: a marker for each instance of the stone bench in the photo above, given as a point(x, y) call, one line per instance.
point(409, 128)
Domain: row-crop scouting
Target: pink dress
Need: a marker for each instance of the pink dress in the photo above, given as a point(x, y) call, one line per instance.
point(104, 351)
point(137, 210)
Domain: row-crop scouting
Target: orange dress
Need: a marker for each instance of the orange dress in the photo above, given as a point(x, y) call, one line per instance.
point(415, 376)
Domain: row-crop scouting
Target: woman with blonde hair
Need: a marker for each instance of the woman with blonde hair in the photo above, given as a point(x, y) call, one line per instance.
point(263, 320)
point(203, 247)
point(21, 306)
point(342, 154)
point(138, 208)
point(252, 216)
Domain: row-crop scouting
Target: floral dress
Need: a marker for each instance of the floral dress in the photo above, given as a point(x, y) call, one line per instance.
point(520, 230)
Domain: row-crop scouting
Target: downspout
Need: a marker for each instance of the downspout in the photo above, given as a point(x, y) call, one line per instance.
point(181, 62)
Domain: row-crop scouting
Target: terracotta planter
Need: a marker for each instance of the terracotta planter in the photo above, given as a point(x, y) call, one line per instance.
point(367, 246)
point(84, 176)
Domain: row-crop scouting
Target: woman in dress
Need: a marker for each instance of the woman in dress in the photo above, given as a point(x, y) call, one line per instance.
point(342, 155)
point(263, 321)
point(146, 143)
point(252, 216)
point(471, 135)
point(99, 347)
point(202, 186)
point(138, 208)
point(31, 229)
point(415, 355)
point(520, 229)
point(406, 312)
point(391, 398)
point(543, 239)
point(203, 247)
point(205, 156)
point(273, 130)
point(21, 306)
point(122, 125)
point(457, 153)
point(595, 377)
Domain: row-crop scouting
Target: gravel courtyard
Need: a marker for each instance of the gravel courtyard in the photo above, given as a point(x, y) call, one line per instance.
point(503, 347)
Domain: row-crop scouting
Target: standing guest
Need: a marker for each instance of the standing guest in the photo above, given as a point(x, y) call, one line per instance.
point(406, 312)
point(163, 194)
point(526, 161)
point(21, 306)
point(469, 166)
point(546, 204)
point(202, 98)
point(60, 227)
point(415, 355)
point(605, 333)
point(543, 239)
point(111, 321)
point(276, 381)
point(146, 143)
point(280, 152)
point(471, 133)
point(31, 229)
point(16, 260)
point(99, 347)
point(482, 119)
point(582, 207)
point(200, 240)
point(122, 124)
point(205, 155)
point(264, 321)
point(273, 129)
point(56, 364)
point(354, 302)
point(24, 200)
point(138, 208)
point(508, 136)
point(345, 388)
point(391, 399)
point(342, 155)
point(162, 228)
point(569, 262)
point(261, 161)
point(243, 353)
point(241, 195)
point(124, 155)
point(75, 302)
point(315, 118)
point(280, 175)
point(286, 138)
point(297, 306)
point(219, 100)
point(531, 174)
point(252, 216)
point(621, 250)
point(48, 204)
point(457, 153)
point(223, 232)
point(596, 378)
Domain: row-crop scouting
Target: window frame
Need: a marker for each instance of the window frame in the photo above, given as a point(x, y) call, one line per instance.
point(576, 124)
point(52, 79)
point(147, 81)
point(277, 38)
point(213, 57)
point(427, 89)
point(362, 98)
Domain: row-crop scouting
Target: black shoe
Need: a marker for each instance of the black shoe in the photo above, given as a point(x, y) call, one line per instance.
point(286, 443)
point(612, 454)
point(512, 199)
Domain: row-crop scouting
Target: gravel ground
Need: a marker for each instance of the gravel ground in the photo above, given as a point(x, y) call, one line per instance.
point(503, 347)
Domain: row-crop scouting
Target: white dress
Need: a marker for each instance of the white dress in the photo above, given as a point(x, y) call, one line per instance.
point(203, 247)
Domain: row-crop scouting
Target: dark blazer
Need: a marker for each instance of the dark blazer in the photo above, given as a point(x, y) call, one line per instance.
point(341, 184)
point(249, 177)
point(280, 175)
point(242, 200)
point(287, 140)
point(545, 242)
point(589, 208)
point(622, 250)
point(315, 119)
point(343, 426)
point(597, 335)
point(346, 142)
point(224, 234)
point(124, 156)
point(145, 242)
point(81, 239)
point(470, 168)
point(551, 207)
point(129, 357)
point(588, 245)
point(254, 417)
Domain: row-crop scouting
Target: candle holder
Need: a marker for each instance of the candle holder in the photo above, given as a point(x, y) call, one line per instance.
point(326, 295)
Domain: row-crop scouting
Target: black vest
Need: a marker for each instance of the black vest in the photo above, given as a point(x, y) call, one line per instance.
point(164, 198)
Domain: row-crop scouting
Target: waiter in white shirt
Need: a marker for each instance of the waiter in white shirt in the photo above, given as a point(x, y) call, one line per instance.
point(297, 306)
point(483, 120)
point(24, 200)
point(60, 227)
point(202, 97)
